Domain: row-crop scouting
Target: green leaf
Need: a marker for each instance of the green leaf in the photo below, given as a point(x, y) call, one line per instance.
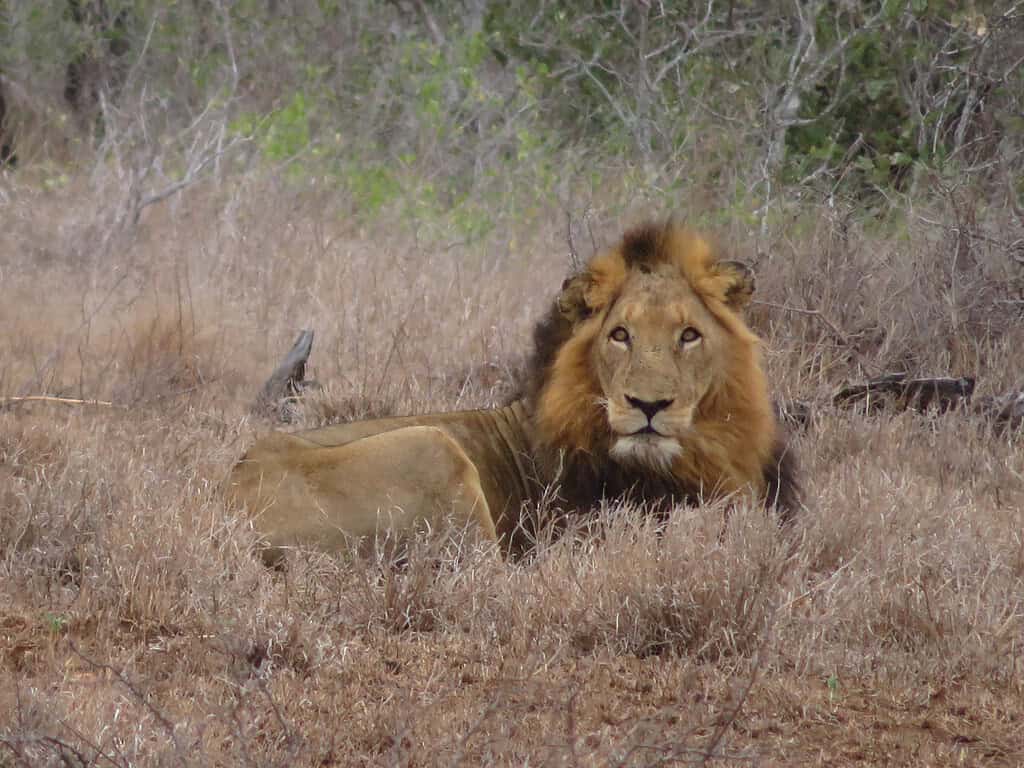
point(891, 9)
point(55, 622)
point(864, 163)
point(875, 88)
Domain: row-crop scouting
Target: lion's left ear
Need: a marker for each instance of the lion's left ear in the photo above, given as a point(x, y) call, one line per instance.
point(738, 280)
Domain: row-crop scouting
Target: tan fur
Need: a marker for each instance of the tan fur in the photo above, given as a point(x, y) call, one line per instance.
point(581, 427)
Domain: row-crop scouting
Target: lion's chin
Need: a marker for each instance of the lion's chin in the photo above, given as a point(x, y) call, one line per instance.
point(651, 451)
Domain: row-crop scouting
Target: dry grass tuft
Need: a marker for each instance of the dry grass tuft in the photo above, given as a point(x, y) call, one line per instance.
point(161, 357)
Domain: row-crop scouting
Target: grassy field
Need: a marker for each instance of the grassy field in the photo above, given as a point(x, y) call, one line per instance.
point(136, 627)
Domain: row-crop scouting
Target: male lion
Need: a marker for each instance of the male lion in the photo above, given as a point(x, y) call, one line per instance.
point(645, 385)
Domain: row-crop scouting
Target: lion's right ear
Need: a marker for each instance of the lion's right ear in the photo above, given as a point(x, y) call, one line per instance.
point(738, 279)
point(572, 300)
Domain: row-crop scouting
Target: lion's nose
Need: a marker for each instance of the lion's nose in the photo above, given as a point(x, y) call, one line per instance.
point(648, 407)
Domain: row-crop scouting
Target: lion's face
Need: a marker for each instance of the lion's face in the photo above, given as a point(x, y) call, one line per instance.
point(656, 356)
point(646, 360)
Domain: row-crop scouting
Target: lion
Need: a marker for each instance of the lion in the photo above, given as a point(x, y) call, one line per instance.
point(645, 386)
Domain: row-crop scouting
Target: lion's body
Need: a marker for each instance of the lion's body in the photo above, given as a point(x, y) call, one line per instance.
point(388, 476)
point(646, 386)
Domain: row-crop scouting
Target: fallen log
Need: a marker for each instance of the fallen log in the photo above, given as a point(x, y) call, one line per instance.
point(280, 394)
point(897, 390)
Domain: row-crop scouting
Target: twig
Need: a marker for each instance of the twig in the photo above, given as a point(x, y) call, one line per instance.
point(289, 734)
point(428, 18)
point(94, 746)
point(841, 337)
point(570, 727)
point(810, 313)
point(574, 257)
point(5, 401)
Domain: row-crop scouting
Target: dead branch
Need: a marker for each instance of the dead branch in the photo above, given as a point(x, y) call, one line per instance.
point(840, 336)
point(898, 392)
point(288, 381)
point(920, 394)
point(428, 18)
point(8, 401)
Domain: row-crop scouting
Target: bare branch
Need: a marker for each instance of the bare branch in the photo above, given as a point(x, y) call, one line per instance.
point(7, 401)
point(428, 19)
point(209, 154)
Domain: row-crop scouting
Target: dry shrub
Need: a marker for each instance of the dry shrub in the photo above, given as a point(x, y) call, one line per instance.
point(160, 356)
point(909, 553)
point(35, 515)
point(699, 586)
point(696, 586)
point(122, 543)
point(435, 582)
point(844, 302)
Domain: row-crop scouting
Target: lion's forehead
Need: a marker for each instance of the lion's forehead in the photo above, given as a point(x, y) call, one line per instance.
point(660, 309)
point(669, 314)
point(659, 296)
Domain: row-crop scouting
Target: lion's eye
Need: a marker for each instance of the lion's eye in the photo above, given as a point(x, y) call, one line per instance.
point(620, 335)
point(689, 336)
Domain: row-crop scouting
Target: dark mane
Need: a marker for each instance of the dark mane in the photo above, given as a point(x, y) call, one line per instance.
point(585, 480)
point(550, 333)
point(643, 245)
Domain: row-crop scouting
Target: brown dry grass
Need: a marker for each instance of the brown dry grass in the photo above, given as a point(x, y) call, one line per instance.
point(136, 627)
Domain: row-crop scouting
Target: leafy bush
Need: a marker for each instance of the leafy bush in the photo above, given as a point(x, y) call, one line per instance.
point(920, 83)
point(483, 102)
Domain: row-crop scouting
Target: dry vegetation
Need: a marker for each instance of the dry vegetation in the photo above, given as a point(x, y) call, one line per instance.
point(404, 184)
point(137, 628)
